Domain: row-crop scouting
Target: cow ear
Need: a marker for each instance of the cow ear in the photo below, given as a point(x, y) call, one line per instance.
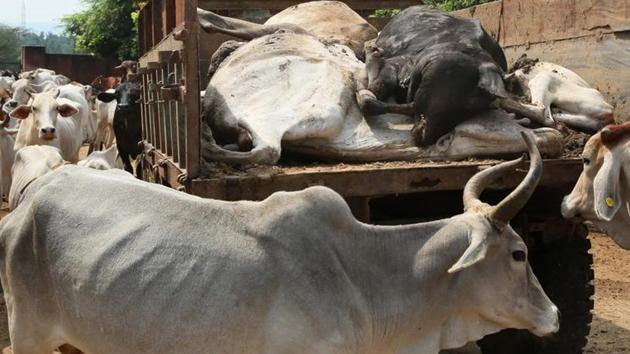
point(491, 81)
point(106, 97)
point(606, 188)
point(66, 110)
point(21, 112)
point(475, 253)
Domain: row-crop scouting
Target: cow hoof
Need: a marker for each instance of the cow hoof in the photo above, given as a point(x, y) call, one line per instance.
point(417, 132)
point(368, 103)
point(245, 142)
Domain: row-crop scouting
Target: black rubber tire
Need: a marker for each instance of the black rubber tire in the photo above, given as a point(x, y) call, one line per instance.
point(564, 268)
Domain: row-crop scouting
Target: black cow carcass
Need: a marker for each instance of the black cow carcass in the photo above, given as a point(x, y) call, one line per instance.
point(442, 67)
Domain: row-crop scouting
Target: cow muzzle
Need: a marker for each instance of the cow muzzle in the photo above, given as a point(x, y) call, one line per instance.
point(47, 133)
point(551, 323)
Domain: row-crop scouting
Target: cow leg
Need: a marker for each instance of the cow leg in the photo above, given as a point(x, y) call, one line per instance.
point(213, 23)
point(382, 81)
point(110, 136)
point(537, 114)
point(221, 54)
point(372, 106)
point(25, 340)
point(224, 131)
point(580, 122)
point(432, 129)
point(124, 156)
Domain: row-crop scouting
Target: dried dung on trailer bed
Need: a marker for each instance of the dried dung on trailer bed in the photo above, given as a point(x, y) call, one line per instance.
point(292, 163)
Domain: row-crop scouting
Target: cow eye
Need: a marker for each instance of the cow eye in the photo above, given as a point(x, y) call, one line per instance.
point(586, 161)
point(519, 256)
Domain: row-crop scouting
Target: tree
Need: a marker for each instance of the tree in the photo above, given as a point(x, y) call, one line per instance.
point(10, 48)
point(446, 5)
point(451, 5)
point(12, 39)
point(106, 28)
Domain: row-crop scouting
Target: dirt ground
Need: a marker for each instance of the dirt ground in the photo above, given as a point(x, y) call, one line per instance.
point(610, 333)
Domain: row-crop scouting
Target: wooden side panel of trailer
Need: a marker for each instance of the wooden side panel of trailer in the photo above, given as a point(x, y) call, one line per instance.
point(590, 37)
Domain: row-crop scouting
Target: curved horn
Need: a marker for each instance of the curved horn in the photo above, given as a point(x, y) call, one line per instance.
point(479, 182)
point(515, 201)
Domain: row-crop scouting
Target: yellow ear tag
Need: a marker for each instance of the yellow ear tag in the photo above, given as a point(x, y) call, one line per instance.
point(610, 202)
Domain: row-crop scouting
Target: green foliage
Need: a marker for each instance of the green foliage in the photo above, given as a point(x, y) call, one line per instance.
point(108, 28)
point(12, 39)
point(385, 13)
point(54, 43)
point(9, 44)
point(451, 5)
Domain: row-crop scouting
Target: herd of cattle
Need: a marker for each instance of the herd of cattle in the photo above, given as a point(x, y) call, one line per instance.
point(97, 261)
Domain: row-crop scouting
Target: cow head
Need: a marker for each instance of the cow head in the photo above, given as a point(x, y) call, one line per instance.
point(500, 288)
point(601, 193)
point(31, 162)
point(45, 110)
point(453, 84)
point(103, 160)
point(126, 95)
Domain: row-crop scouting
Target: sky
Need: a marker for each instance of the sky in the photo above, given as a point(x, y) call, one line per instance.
point(41, 15)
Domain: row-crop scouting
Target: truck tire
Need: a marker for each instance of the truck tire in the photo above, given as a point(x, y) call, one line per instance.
point(563, 266)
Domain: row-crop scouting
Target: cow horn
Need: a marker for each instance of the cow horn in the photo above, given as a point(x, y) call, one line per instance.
point(479, 182)
point(513, 203)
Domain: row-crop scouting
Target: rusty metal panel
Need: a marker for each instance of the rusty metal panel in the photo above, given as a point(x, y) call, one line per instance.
point(516, 22)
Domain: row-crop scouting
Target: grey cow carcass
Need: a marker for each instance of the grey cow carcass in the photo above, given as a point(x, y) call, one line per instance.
point(295, 273)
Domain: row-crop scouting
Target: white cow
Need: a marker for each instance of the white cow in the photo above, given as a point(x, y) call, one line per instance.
point(55, 119)
point(6, 82)
point(40, 76)
point(295, 273)
point(104, 117)
point(103, 160)
point(602, 193)
point(558, 94)
point(7, 142)
point(31, 163)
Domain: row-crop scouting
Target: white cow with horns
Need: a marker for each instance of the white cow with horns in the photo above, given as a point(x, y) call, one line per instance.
point(295, 273)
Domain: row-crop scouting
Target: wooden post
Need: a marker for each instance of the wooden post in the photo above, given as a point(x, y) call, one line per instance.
point(192, 101)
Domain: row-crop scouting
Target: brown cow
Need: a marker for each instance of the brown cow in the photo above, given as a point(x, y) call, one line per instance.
point(101, 84)
point(602, 193)
point(130, 67)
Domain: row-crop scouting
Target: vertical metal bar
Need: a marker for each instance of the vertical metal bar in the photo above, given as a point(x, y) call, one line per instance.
point(154, 138)
point(143, 107)
point(181, 121)
point(191, 70)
